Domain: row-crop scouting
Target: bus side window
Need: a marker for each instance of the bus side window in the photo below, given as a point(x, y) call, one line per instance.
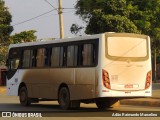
point(40, 58)
point(27, 58)
point(47, 55)
point(87, 54)
point(57, 56)
point(34, 58)
point(72, 54)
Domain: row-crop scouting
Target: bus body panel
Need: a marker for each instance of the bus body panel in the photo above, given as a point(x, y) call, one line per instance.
point(79, 80)
point(122, 74)
point(84, 83)
point(82, 92)
point(13, 84)
point(44, 83)
point(38, 81)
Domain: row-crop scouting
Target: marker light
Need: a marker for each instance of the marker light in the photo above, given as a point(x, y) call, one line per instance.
point(148, 80)
point(105, 77)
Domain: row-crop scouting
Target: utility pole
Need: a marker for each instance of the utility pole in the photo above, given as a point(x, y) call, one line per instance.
point(61, 26)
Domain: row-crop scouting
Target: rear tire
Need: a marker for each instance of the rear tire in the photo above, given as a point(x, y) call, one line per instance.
point(102, 104)
point(23, 97)
point(64, 98)
point(105, 103)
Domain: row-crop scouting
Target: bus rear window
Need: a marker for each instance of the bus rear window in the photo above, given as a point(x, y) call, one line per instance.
point(126, 47)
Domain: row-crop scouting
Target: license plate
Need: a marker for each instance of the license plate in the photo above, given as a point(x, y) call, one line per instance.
point(128, 86)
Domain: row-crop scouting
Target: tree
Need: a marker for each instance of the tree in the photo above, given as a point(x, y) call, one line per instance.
point(5, 31)
point(136, 16)
point(3, 54)
point(25, 36)
point(5, 20)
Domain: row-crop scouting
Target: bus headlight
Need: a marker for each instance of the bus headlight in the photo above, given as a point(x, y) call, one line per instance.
point(105, 77)
point(148, 80)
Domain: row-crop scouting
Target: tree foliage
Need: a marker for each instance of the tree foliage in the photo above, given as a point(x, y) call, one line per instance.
point(5, 20)
point(5, 31)
point(3, 54)
point(25, 36)
point(133, 16)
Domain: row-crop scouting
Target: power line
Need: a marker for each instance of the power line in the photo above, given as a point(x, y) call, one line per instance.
point(39, 16)
point(68, 8)
point(33, 18)
point(51, 4)
point(42, 14)
point(69, 11)
point(66, 12)
point(55, 7)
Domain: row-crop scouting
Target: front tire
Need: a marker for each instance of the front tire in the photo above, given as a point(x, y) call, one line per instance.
point(23, 97)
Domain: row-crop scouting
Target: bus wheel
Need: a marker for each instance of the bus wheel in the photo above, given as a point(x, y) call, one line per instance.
point(23, 97)
point(64, 98)
point(104, 104)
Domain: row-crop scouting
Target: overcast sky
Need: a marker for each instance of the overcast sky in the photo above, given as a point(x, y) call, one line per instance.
point(47, 26)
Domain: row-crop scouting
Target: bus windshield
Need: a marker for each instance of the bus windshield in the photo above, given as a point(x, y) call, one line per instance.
point(126, 47)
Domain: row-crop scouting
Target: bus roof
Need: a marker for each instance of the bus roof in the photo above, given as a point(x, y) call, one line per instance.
point(86, 37)
point(56, 41)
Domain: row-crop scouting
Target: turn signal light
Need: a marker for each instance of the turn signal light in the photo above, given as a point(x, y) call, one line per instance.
point(148, 80)
point(106, 80)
